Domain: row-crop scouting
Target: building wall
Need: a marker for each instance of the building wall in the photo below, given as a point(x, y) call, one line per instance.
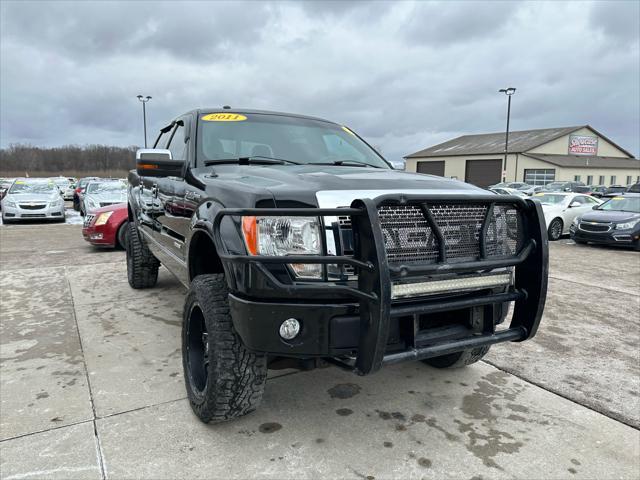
point(560, 146)
point(567, 174)
point(455, 167)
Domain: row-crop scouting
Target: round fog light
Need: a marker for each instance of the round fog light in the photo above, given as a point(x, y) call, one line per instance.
point(289, 329)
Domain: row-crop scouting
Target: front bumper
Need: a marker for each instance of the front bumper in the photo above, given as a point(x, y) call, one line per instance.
point(101, 235)
point(47, 212)
point(610, 237)
point(366, 313)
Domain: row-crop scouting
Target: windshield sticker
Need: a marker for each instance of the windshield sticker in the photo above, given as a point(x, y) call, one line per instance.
point(348, 131)
point(223, 117)
point(539, 194)
point(618, 198)
point(19, 182)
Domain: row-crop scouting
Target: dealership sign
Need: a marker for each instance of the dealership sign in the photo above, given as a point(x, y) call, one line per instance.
point(583, 145)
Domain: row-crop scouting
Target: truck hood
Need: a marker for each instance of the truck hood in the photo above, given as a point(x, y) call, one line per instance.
point(301, 183)
point(609, 216)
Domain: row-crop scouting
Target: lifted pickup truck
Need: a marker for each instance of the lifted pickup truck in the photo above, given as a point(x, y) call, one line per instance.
point(299, 244)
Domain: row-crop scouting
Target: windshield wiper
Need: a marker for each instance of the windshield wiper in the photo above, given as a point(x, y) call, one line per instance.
point(254, 159)
point(350, 163)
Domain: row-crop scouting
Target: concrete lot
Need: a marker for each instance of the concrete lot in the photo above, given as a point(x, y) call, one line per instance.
point(91, 385)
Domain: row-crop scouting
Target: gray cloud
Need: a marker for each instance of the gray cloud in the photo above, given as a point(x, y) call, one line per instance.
point(404, 75)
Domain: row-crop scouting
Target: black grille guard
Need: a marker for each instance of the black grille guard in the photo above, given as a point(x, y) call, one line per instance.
point(375, 275)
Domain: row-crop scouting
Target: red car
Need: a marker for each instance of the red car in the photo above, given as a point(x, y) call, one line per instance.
point(107, 227)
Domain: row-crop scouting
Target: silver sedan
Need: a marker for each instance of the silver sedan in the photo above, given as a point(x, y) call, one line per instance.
point(31, 198)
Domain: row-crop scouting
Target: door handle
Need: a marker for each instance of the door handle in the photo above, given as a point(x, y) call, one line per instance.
point(192, 196)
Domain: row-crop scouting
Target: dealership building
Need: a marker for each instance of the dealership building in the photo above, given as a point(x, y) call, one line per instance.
point(536, 157)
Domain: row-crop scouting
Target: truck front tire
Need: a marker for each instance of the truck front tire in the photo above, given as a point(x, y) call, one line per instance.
point(224, 380)
point(142, 266)
point(458, 359)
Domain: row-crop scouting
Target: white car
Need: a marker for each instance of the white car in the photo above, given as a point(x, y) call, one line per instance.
point(561, 208)
point(32, 198)
point(508, 191)
point(66, 187)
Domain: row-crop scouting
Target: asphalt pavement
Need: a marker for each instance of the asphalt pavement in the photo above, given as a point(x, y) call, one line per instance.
point(91, 385)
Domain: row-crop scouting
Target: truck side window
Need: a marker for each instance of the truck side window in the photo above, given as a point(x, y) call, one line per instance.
point(177, 147)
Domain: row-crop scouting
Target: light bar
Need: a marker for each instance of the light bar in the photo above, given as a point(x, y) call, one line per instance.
point(403, 290)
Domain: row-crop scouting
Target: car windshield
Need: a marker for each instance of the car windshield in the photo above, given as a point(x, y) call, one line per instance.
point(106, 187)
point(228, 136)
point(61, 182)
point(550, 198)
point(617, 189)
point(625, 204)
point(21, 186)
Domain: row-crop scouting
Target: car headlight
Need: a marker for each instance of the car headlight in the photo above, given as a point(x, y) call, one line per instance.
point(627, 225)
point(103, 217)
point(576, 222)
point(57, 202)
point(9, 203)
point(282, 236)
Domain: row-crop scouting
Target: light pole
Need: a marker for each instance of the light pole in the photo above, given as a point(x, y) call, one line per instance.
point(508, 92)
point(144, 101)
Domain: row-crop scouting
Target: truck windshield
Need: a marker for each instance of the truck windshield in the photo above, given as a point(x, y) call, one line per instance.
point(226, 135)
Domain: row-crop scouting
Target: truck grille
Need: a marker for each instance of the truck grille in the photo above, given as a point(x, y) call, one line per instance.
point(409, 238)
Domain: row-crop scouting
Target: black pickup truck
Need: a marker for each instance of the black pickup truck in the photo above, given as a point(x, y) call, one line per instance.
point(301, 245)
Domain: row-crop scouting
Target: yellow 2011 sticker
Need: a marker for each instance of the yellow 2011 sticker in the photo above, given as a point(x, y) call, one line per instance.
point(223, 117)
point(539, 194)
point(618, 198)
point(348, 131)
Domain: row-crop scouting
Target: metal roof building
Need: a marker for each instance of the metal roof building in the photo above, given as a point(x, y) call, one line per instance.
point(536, 157)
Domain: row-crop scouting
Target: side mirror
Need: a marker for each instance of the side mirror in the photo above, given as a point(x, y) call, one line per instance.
point(152, 162)
point(595, 207)
point(575, 204)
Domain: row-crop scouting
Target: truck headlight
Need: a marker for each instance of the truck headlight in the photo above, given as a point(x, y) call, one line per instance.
point(627, 225)
point(282, 236)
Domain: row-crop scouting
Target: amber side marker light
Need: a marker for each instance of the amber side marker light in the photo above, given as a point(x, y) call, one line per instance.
point(250, 232)
point(147, 166)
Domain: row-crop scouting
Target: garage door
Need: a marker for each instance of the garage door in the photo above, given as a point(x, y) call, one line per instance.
point(483, 172)
point(432, 168)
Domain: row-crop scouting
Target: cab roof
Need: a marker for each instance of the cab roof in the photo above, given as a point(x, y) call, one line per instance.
point(204, 111)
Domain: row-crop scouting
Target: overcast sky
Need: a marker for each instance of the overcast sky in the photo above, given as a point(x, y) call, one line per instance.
point(404, 75)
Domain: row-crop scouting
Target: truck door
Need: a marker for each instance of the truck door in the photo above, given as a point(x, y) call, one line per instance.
point(171, 196)
point(150, 206)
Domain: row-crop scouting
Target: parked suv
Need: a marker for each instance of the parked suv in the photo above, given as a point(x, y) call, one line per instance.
point(299, 242)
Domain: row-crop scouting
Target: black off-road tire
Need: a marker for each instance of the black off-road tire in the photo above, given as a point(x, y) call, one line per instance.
point(556, 225)
point(224, 380)
point(142, 266)
point(458, 359)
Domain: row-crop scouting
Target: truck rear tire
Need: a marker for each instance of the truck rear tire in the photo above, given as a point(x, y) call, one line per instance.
point(142, 266)
point(224, 380)
point(458, 359)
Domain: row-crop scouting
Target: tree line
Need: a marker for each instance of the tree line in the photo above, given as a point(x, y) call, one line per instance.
point(69, 160)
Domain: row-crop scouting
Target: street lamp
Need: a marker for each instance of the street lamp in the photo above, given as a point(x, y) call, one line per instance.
point(144, 101)
point(508, 92)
